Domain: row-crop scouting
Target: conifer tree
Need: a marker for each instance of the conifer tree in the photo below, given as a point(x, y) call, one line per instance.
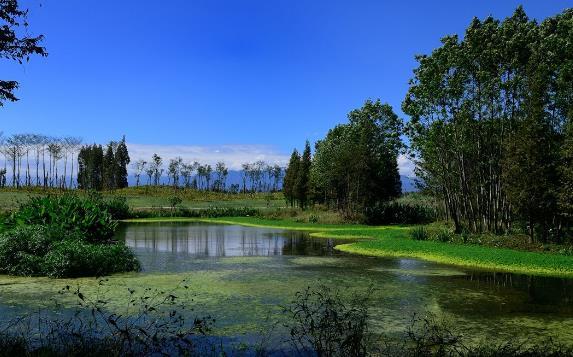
point(301, 188)
point(109, 168)
point(291, 174)
point(121, 160)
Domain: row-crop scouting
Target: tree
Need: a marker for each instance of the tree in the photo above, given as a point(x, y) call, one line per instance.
point(90, 167)
point(291, 175)
point(15, 43)
point(155, 168)
point(109, 169)
point(301, 187)
point(120, 161)
point(355, 167)
point(139, 167)
point(221, 171)
point(174, 170)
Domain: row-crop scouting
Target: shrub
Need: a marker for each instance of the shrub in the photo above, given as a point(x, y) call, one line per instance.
point(211, 212)
point(399, 213)
point(323, 323)
point(419, 233)
point(90, 216)
point(48, 251)
point(74, 258)
point(116, 206)
point(442, 235)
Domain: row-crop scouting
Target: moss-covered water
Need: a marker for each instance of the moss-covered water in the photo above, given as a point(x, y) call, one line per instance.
point(241, 276)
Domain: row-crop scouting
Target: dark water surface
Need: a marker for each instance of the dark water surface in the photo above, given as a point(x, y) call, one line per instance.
point(241, 274)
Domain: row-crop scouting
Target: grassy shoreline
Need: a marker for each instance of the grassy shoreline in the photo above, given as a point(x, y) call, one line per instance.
point(393, 241)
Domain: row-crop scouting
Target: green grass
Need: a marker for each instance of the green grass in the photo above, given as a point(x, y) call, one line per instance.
point(155, 197)
point(394, 241)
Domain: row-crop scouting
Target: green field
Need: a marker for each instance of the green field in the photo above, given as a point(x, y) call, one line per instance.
point(394, 241)
point(156, 197)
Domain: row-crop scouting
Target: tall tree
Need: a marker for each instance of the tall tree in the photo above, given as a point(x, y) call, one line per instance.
point(109, 167)
point(121, 161)
point(291, 175)
point(301, 187)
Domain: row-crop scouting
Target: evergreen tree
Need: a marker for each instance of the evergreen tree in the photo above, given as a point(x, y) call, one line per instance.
point(121, 160)
point(301, 187)
point(109, 167)
point(291, 175)
point(90, 167)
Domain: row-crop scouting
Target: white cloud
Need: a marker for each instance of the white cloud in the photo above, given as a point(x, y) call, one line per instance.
point(406, 166)
point(232, 155)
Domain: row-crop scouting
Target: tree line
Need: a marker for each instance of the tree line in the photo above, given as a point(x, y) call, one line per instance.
point(38, 160)
point(491, 125)
point(258, 176)
point(354, 168)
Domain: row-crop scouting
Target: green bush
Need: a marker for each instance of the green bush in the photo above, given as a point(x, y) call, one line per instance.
point(48, 251)
point(90, 215)
point(399, 213)
point(442, 235)
point(116, 206)
point(211, 212)
point(74, 258)
point(419, 233)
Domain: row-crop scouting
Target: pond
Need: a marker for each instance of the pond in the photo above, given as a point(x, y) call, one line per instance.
point(241, 275)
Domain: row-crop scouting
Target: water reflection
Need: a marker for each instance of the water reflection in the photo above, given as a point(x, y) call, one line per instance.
point(197, 240)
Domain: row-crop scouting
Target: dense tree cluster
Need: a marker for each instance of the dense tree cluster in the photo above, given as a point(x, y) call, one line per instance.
point(354, 168)
point(491, 124)
point(107, 171)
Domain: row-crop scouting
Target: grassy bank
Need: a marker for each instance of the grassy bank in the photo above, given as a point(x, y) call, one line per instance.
point(394, 241)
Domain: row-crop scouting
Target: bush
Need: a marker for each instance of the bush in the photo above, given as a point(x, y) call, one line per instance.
point(323, 323)
point(74, 258)
point(442, 235)
point(399, 213)
point(48, 251)
point(211, 212)
point(90, 216)
point(117, 207)
point(419, 233)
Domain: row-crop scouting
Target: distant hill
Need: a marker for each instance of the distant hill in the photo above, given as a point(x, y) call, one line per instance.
point(408, 184)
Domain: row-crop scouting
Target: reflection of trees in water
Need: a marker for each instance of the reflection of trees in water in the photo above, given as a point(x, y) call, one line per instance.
point(220, 241)
point(538, 289)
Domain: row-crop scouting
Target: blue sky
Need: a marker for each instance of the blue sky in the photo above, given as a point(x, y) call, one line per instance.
point(222, 73)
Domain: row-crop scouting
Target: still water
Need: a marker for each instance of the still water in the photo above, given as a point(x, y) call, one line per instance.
point(241, 276)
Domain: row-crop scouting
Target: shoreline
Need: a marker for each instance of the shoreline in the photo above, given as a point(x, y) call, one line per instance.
point(394, 241)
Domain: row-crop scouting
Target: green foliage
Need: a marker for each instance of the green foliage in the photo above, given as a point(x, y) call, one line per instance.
point(401, 213)
point(210, 212)
point(291, 175)
point(419, 233)
point(97, 171)
point(69, 212)
point(50, 251)
point(487, 124)
point(74, 258)
point(301, 187)
point(16, 43)
point(355, 167)
point(174, 201)
point(322, 322)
